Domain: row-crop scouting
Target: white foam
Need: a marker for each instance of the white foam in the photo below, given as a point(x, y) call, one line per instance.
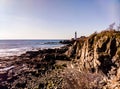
point(14, 51)
point(19, 51)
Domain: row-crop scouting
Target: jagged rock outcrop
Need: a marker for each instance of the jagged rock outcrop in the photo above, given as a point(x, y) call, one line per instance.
point(89, 63)
point(99, 53)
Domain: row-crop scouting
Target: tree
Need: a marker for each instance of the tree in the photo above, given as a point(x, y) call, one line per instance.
point(111, 26)
point(118, 27)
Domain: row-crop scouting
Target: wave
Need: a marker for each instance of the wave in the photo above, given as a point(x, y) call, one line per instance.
point(17, 47)
point(52, 43)
point(13, 51)
point(19, 51)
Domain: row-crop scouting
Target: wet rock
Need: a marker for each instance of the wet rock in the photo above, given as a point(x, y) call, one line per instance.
point(21, 85)
point(3, 87)
point(69, 42)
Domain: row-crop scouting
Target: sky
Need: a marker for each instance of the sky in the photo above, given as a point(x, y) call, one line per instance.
point(56, 19)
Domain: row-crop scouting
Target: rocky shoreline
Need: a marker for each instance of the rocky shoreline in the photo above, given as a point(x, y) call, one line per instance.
point(22, 71)
point(91, 62)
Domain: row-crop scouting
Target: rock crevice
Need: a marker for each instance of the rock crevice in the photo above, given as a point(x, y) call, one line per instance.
point(99, 52)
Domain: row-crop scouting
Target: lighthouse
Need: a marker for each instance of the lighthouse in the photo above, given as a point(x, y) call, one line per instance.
point(75, 35)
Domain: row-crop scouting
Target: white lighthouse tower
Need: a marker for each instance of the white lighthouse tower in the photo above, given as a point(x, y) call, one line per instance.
point(75, 35)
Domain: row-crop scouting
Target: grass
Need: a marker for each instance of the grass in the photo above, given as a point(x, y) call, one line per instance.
point(118, 52)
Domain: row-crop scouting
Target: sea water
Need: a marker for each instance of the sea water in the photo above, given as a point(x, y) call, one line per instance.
point(17, 47)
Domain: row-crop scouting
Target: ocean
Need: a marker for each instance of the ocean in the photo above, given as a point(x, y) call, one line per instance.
point(17, 47)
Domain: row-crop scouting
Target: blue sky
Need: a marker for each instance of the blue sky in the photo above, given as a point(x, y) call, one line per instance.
point(55, 19)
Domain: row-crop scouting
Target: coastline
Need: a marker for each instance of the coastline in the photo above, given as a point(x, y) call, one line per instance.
point(35, 62)
point(18, 47)
point(85, 63)
point(18, 54)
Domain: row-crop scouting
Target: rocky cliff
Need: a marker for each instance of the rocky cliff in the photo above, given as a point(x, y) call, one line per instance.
point(91, 62)
point(99, 53)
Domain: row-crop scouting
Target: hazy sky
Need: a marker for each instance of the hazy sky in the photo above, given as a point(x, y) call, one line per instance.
point(55, 19)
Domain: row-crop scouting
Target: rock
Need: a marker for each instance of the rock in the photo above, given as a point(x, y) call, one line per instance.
point(21, 85)
point(67, 41)
point(90, 62)
point(3, 87)
point(98, 53)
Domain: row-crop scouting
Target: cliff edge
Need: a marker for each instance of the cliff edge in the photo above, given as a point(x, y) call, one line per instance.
point(91, 62)
point(99, 54)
